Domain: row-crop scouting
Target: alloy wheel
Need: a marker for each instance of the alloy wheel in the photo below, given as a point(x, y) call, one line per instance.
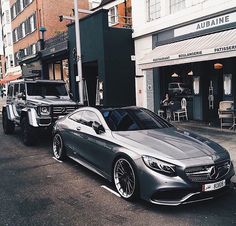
point(57, 146)
point(124, 178)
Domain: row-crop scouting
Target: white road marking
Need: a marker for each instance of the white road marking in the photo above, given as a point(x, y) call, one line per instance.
point(110, 190)
point(57, 159)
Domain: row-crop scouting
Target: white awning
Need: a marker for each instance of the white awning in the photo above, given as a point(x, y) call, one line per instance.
point(209, 47)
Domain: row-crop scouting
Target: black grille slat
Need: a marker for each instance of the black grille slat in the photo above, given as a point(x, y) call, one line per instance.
point(62, 110)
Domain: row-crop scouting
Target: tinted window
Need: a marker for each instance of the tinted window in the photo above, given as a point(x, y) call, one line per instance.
point(22, 88)
point(46, 89)
point(16, 89)
point(88, 118)
point(76, 116)
point(10, 90)
point(133, 119)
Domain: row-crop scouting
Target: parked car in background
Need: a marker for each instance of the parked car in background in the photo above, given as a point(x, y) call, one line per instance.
point(176, 88)
point(144, 155)
point(33, 105)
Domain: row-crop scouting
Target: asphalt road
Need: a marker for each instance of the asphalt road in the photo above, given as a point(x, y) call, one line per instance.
point(35, 190)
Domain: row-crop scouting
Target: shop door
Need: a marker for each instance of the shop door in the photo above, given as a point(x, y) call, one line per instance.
point(90, 75)
point(215, 95)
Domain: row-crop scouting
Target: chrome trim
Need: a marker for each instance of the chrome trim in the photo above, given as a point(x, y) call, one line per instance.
point(174, 203)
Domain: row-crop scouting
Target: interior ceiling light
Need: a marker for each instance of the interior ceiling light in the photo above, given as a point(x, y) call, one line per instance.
point(190, 73)
point(218, 66)
point(174, 75)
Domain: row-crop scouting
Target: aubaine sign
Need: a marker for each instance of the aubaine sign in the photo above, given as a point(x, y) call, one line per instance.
point(206, 24)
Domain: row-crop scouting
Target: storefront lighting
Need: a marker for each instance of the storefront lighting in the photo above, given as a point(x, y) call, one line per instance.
point(174, 75)
point(190, 73)
point(218, 66)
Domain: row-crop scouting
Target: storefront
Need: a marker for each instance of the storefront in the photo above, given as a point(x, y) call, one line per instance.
point(196, 61)
point(107, 68)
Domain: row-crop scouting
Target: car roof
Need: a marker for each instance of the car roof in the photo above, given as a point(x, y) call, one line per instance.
point(36, 81)
point(109, 108)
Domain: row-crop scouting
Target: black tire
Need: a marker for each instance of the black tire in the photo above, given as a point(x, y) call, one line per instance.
point(8, 126)
point(28, 132)
point(58, 147)
point(125, 179)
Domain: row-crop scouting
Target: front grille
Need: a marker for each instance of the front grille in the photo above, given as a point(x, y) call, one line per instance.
point(208, 173)
point(62, 110)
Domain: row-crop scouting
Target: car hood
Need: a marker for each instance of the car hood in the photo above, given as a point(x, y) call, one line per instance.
point(52, 101)
point(171, 143)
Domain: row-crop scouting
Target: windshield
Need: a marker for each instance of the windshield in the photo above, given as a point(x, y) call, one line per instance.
point(46, 89)
point(133, 119)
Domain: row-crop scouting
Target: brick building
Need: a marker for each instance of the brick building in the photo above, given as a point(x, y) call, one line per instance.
point(28, 17)
point(120, 12)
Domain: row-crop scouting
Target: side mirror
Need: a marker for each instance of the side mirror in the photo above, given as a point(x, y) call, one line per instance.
point(71, 95)
point(21, 96)
point(98, 127)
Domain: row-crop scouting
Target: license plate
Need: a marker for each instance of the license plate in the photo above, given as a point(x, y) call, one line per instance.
point(213, 186)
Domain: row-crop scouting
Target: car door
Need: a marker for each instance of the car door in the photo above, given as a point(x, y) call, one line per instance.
point(20, 100)
point(96, 148)
point(71, 134)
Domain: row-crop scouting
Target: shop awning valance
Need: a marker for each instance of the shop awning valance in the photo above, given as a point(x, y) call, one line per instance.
point(11, 77)
point(209, 47)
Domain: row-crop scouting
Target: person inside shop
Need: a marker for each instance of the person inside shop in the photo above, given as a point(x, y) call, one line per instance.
point(165, 106)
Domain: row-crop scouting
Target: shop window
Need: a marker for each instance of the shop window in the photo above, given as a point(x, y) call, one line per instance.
point(153, 9)
point(176, 5)
point(227, 84)
point(196, 85)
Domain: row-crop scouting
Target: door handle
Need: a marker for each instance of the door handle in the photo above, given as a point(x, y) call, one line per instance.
point(78, 128)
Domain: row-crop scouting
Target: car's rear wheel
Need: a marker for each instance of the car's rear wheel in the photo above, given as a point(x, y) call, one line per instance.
point(58, 147)
point(28, 132)
point(8, 126)
point(125, 179)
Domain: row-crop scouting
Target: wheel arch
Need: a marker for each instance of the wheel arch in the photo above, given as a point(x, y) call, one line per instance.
point(126, 156)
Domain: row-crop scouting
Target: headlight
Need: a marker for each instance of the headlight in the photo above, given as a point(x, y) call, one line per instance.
point(159, 166)
point(44, 110)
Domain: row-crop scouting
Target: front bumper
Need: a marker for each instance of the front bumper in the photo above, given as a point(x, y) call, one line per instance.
point(165, 190)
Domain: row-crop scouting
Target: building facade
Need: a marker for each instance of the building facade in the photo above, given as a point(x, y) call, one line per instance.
point(107, 68)
point(33, 20)
point(119, 12)
point(185, 48)
point(8, 61)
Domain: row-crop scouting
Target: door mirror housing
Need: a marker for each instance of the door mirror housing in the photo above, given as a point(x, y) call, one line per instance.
point(98, 127)
point(21, 96)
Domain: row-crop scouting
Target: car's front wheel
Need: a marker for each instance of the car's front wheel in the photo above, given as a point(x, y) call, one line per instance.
point(8, 126)
point(125, 179)
point(28, 132)
point(58, 147)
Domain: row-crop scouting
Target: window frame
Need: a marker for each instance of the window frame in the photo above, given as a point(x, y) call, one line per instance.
point(148, 9)
point(110, 16)
point(176, 5)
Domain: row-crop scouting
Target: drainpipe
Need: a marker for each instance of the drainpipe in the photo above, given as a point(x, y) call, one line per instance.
point(126, 14)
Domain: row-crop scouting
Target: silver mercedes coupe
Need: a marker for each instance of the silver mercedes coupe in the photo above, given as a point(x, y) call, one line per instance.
point(144, 155)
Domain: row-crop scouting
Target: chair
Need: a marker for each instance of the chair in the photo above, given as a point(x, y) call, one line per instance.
point(181, 113)
point(226, 113)
point(161, 113)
